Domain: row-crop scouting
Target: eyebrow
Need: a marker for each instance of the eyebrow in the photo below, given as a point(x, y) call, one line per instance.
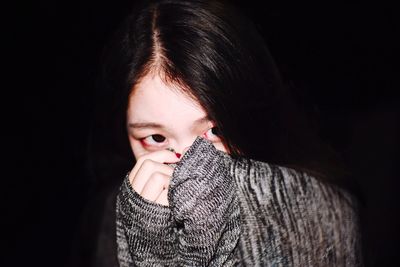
point(153, 125)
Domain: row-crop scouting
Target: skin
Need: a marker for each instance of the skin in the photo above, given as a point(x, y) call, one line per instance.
point(161, 116)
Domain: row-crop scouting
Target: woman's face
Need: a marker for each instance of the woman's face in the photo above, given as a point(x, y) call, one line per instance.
point(160, 116)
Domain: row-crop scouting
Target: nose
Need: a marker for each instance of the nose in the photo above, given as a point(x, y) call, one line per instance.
point(181, 146)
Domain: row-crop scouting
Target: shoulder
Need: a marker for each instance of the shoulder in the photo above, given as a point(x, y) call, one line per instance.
point(299, 191)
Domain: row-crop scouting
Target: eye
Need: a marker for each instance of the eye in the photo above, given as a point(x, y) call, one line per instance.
point(212, 134)
point(153, 140)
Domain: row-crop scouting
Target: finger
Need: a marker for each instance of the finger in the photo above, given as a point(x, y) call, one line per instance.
point(153, 188)
point(162, 156)
point(145, 171)
point(163, 198)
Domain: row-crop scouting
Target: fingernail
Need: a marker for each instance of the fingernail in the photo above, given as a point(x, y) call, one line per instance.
point(178, 155)
point(170, 149)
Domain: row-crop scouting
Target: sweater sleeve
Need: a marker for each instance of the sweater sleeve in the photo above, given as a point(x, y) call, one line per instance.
point(145, 230)
point(203, 202)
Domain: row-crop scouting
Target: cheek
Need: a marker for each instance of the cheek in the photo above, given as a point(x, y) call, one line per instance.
point(220, 147)
point(137, 148)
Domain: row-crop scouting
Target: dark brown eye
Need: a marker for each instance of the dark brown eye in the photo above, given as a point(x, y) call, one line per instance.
point(215, 131)
point(158, 138)
point(212, 134)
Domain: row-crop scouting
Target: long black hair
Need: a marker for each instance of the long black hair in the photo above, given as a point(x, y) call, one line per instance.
point(215, 55)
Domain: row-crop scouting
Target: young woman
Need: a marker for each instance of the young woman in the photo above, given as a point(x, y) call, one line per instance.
point(223, 169)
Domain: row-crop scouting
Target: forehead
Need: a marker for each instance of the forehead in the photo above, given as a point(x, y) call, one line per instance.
point(154, 100)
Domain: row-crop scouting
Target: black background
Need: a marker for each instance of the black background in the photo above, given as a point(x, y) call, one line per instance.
point(339, 58)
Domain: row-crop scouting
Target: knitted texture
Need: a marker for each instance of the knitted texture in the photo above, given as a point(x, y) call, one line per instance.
point(238, 212)
point(203, 199)
point(145, 230)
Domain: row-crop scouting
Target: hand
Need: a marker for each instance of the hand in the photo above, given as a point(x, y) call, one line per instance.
point(150, 177)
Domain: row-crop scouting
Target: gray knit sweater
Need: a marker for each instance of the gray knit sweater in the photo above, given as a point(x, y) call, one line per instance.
point(238, 212)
